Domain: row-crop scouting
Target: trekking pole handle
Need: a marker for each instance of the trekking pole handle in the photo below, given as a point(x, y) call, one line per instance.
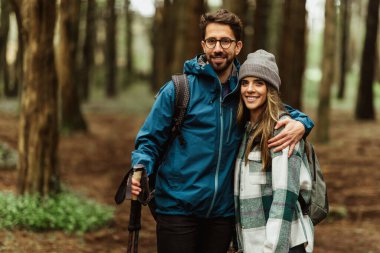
point(137, 171)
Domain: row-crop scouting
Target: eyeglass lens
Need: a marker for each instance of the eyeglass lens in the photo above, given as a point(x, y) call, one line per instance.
point(225, 43)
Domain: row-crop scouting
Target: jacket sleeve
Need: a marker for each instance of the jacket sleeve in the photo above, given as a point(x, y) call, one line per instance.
point(156, 130)
point(301, 117)
point(285, 190)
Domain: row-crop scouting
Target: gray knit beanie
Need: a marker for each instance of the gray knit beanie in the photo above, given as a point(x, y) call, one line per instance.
point(263, 65)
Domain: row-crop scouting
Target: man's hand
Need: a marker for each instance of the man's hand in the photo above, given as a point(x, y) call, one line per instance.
point(135, 187)
point(292, 133)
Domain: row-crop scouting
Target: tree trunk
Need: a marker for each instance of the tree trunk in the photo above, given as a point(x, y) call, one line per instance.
point(14, 75)
point(129, 51)
point(364, 105)
point(377, 69)
point(292, 52)
point(238, 7)
point(173, 40)
point(327, 72)
point(88, 49)
point(355, 44)
point(38, 122)
point(163, 41)
point(110, 49)
point(159, 52)
point(345, 28)
point(274, 26)
point(242, 8)
point(262, 15)
point(187, 44)
point(4, 30)
point(72, 118)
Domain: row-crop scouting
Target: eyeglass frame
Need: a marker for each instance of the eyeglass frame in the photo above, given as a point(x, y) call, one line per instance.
point(220, 42)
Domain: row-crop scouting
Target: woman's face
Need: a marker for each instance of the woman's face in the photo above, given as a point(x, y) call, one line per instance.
point(254, 94)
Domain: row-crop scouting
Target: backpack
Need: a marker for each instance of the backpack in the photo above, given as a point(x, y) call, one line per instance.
point(318, 207)
point(146, 197)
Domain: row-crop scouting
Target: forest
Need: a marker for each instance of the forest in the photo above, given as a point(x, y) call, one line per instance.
point(78, 78)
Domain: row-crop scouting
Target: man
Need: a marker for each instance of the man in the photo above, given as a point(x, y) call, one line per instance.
point(194, 185)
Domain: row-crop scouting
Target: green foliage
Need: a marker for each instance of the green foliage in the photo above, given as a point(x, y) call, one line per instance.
point(64, 211)
point(9, 105)
point(337, 213)
point(136, 99)
point(8, 157)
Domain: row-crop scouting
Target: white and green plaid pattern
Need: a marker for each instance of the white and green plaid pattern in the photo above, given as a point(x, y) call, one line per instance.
point(268, 215)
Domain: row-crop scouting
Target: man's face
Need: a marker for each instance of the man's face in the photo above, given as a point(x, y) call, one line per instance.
point(220, 57)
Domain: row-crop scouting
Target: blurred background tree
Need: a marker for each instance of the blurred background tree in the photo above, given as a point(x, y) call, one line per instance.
point(38, 120)
point(88, 51)
point(4, 30)
point(365, 102)
point(110, 49)
point(329, 39)
point(105, 49)
point(72, 118)
point(77, 78)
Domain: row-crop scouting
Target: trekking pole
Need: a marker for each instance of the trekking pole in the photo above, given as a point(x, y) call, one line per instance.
point(134, 215)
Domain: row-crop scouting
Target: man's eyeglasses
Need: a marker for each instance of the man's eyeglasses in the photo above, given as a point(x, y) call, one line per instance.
point(225, 43)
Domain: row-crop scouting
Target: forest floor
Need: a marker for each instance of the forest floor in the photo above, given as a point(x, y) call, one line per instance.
point(93, 163)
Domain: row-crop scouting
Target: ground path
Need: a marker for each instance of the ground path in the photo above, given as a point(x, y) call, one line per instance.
point(93, 164)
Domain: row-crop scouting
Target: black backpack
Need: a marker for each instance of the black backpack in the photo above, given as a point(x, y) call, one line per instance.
point(146, 197)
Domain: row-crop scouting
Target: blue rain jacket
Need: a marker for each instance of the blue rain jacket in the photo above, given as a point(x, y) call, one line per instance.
point(197, 178)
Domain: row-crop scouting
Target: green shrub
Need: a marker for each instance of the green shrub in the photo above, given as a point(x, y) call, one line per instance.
point(64, 211)
point(8, 157)
point(337, 213)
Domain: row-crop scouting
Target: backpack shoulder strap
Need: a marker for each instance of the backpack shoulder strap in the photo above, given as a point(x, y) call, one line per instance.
point(283, 114)
point(182, 96)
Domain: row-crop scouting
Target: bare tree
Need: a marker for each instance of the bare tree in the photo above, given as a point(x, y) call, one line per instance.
point(38, 122)
point(4, 30)
point(328, 58)
point(187, 43)
point(377, 70)
point(173, 40)
point(243, 10)
point(345, 25)
point(157, 39)
point(262, 16)
point(292, 52)
point(239, 7)
point(13, 77)
point(110, 49)
point(364, 104)
point(72, 118)
point(274, 26)
point(129, 51)
point(88, 49)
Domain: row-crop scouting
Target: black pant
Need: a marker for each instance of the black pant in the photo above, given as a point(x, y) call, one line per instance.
point(185, 234)
point(297, 249)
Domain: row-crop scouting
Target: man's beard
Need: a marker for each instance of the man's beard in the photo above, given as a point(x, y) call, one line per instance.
point(220, 68)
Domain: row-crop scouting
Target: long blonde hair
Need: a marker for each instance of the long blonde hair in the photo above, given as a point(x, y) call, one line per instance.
point(265, 125)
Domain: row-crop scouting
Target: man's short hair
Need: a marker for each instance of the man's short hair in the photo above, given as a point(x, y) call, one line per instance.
point(222, 16)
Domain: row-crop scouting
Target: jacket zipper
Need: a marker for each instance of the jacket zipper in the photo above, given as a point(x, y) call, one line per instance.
point(216, 179)
point(229, 126)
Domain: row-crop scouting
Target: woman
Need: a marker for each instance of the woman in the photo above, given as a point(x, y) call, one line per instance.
point(267, 184)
